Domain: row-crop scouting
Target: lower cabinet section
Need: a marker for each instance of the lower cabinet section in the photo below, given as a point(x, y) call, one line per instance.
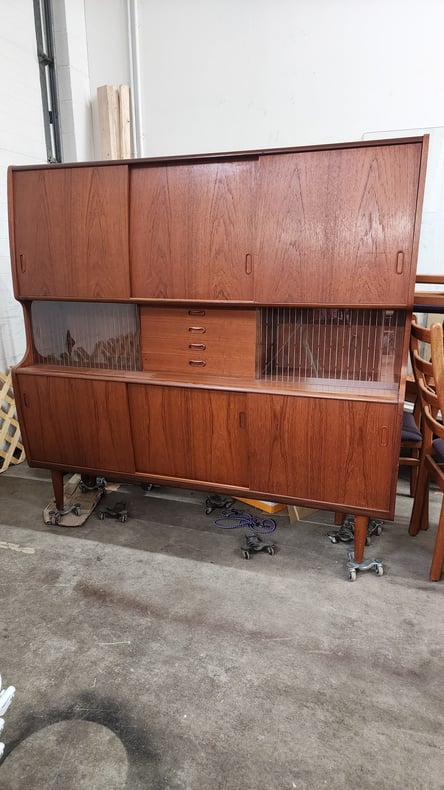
point(191, 434)
point(77, 423)
point(324, 450)
point(335, 453)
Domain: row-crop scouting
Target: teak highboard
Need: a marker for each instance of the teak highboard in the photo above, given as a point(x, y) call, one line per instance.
point(232, 322)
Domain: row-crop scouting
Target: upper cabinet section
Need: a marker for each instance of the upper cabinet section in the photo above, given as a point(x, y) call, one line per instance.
point(336, 226)
point(69, 232)
point(192, 230)
point(326, 226)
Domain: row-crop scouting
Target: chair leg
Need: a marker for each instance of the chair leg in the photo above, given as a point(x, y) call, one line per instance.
point(414, 470)
point(339, 518)
point(420, 501)
point(438, 551)
point(425, 510)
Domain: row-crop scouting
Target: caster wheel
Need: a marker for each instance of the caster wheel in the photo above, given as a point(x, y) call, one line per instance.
point(147, 486)
point(102, 516)
point(246, 555)
point(333, 539)
point(270, 550)
point(122, 519)
point(378, 531)
point(352, 575)
point(367, 541)
point(209, 510)
point(77, 511)
point(379, 570)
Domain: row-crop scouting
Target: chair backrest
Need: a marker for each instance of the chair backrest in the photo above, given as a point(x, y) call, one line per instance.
point(427, 359)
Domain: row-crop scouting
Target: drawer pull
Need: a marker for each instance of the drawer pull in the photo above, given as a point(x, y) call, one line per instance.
point(400, 263)
point(199, 329)
point(196, 312)
point(248, 263)
point(197, 346)
point(197, 363)
point(22, 263)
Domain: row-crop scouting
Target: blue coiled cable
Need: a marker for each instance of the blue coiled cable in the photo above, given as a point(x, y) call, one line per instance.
point(232, 519)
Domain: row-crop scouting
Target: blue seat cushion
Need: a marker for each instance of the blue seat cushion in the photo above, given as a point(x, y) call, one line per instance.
point(410, 431)
point(438, 450)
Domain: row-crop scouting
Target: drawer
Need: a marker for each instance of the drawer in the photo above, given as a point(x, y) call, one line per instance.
point(198, 340)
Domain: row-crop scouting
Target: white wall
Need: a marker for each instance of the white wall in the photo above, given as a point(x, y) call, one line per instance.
point(236, 74)
point(71, 58)
point(22, 140)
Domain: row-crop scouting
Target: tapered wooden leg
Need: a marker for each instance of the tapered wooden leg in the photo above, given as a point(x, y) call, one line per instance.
point(57, 485)
point(339, 518)
point(360, 535)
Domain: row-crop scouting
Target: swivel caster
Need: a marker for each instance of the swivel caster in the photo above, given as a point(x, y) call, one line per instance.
point(254, 543)
point(366, 565)
point(119, 511)
point(55, 516)
point(214, 501)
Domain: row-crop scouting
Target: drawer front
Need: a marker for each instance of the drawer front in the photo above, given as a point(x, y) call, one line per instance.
point(192, 340)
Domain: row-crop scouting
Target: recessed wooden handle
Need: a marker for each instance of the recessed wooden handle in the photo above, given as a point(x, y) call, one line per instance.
point(248, 263)
point(242, 419)
point(197, 346)
point(199, 329)
point(22, 262)
point(197, 363)
point(400, 262)
point(196, 312)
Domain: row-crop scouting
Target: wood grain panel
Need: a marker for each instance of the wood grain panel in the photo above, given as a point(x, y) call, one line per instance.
point(75, 422)
point(174, 340)
point(324, 450)
point(336, 227)
point(191, 230)
point(71, 232)
point(190, 434)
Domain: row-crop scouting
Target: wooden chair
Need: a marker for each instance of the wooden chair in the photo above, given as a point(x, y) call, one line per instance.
point(411, 435)
point(427, 357)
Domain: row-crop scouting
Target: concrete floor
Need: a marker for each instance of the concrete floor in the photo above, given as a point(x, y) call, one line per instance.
point(152, 655)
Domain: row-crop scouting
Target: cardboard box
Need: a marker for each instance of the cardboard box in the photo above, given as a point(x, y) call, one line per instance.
point(261, 504)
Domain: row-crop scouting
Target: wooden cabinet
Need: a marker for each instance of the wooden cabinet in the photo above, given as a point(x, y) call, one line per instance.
point(193, 435)
point(69, 232)
point(77, 424)
point(337, 227)
point(346, 456)
point(253, 327)
point(192, 230)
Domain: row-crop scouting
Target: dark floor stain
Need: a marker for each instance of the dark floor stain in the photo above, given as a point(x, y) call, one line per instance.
point(142, 759)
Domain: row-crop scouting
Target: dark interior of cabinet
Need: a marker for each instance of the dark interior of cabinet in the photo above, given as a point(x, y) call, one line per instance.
point(86, 334)
point(340, 344)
